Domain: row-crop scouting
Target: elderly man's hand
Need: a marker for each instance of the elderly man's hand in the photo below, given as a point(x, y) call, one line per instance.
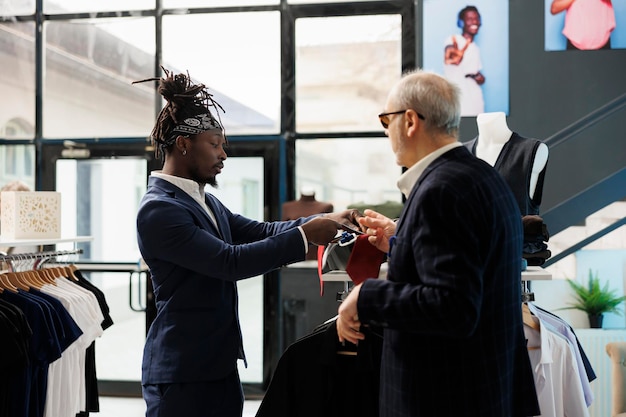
point(380, 228)
point(348, 324)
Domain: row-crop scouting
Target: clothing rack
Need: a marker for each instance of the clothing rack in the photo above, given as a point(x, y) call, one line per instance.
point(59, 307)
point(527, 294)
point(532, 273)
point(38, 255)
point(10, 261)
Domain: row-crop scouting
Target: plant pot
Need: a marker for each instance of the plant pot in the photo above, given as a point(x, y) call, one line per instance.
point(595, 320)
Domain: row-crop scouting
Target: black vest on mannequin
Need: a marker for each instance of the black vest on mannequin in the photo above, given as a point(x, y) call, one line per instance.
point(515, 163)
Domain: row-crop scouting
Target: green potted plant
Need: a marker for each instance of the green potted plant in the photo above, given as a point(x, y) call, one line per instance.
point(595, 300)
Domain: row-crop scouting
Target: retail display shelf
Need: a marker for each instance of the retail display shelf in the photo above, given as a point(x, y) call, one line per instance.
point(342, 276)
point(536, 273)
point(40, 242)
point(532, 273)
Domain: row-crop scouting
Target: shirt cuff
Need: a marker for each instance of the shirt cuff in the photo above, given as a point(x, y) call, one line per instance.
point(304, 239)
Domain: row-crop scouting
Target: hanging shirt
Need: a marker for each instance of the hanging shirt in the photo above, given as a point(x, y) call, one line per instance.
point(557, 380)
point(43, 349)
point(553, 323)
point(15, 333)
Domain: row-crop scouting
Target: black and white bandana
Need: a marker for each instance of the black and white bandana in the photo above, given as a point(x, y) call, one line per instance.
point(192, 126)
point(197, 124)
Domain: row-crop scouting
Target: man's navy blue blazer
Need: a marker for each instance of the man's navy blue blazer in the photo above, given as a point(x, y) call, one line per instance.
point(454, 343)
point(194, 268)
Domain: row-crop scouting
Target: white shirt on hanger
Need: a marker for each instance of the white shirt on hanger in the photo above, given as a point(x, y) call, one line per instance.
point(66, 394)
point(559, 326)
point(557, 379)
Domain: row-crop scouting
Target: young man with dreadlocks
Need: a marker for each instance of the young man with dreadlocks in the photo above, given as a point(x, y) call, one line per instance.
point(197, 249)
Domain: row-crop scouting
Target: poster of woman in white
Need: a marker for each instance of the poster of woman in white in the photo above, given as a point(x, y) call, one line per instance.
point(468, 44)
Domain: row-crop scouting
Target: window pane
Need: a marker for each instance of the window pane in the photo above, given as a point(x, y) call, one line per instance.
point(17, 7)
point(216, 3)
point(368, 180)
point(17, 163)
point(240, 67)
point(74, 6)
point(326, 1)
point(346, 66)
point(88, 75)
point(17, 60)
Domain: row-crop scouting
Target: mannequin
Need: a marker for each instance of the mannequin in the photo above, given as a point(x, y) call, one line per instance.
point(305, 206)
point(493, 133)
point(522, 162)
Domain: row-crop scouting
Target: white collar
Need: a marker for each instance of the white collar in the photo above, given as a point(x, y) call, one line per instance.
point(408, 179)
point(194, 189)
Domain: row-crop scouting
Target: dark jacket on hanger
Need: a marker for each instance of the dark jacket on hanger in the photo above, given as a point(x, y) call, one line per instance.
point(312, 379)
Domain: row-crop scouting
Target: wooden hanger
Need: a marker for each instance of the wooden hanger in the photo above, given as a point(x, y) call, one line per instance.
point(31, 278)
point(5, 284)
point(57, 272)
point(70, 272)
point(347, 349)
point(529, 319)
point(17, 281)
point(44, 276)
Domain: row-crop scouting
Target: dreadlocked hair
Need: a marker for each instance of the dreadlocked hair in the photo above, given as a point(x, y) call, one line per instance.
point(184, 99)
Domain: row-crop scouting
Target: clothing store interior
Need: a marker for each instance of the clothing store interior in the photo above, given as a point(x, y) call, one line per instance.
point(300, 85)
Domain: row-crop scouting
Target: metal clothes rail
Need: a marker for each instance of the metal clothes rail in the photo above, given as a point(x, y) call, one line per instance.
point(38, 255)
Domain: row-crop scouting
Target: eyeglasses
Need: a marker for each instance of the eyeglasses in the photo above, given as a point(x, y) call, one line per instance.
point(384, 117)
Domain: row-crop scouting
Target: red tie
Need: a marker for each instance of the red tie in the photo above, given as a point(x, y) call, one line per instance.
point(365, 260)
point(320, 255)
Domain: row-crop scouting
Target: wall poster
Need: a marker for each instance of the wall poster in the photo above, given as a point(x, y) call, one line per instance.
point(468, 43)
point(587, 25)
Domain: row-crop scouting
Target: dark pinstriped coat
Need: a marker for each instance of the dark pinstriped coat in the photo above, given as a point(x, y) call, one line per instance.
point(451, 308)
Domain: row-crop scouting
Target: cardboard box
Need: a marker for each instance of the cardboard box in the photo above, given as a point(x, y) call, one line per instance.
point(30, 215)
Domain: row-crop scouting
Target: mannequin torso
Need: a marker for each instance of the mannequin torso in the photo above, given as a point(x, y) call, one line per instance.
point(307, 205)
point(493, 134)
